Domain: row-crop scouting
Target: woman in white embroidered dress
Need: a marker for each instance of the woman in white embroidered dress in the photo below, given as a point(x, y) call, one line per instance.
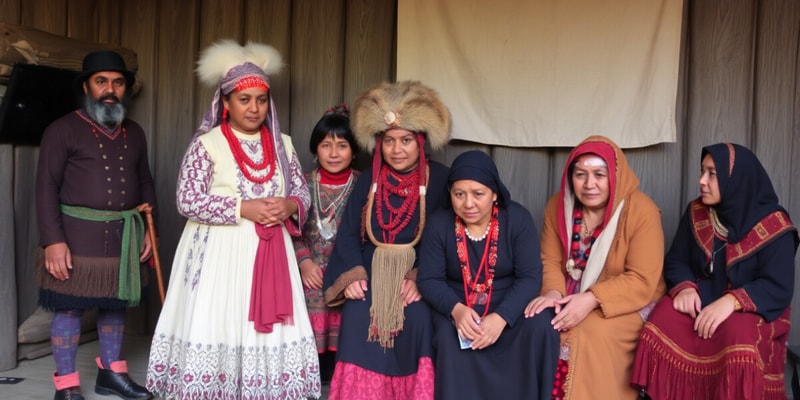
point(235, 325)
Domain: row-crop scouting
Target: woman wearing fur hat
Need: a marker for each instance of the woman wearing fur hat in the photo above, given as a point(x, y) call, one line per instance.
point(234, 324)
point(385, 349)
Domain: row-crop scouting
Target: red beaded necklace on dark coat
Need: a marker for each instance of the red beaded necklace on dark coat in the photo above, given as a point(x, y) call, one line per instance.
point(404, 186)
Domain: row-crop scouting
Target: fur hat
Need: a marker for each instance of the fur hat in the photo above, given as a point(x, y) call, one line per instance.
point(408, 105)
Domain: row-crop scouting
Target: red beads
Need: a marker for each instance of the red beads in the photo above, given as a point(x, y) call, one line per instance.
point(246, 165)
point(561, 379)
point(407, 187)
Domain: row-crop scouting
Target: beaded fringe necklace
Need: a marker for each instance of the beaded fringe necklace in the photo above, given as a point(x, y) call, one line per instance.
point(391, 261)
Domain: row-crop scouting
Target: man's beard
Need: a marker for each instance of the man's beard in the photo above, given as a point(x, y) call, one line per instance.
point(110, 115)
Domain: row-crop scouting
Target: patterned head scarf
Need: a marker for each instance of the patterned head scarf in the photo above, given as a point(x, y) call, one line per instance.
point(238, 78)
point(228, 67)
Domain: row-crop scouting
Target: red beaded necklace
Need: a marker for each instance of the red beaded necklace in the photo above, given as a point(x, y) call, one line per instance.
point(577, 262)
point(407, 187)
point(478, 293)
point(246, 165)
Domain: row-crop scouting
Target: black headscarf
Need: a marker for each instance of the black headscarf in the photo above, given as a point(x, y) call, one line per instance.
point(746, 192)
point(478, 166)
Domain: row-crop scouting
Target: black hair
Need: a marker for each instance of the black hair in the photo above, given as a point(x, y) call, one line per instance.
point(336, 125)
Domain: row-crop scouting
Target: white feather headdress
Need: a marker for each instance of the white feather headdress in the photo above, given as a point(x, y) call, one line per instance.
point(225, 63)
point(220, 57)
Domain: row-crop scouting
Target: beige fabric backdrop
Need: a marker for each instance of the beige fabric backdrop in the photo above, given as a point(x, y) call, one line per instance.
point(531, 73)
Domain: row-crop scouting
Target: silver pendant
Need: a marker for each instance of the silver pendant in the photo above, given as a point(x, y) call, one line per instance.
point(327, 227)
point(573, 271)
point(478, 298)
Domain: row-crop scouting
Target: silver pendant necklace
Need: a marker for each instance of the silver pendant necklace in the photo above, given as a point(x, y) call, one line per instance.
point(327, 226)
point(709, 269)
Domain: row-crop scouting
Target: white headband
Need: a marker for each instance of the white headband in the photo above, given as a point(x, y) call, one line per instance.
point(591, 161)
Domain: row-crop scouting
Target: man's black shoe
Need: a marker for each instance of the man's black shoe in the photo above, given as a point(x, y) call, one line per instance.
point(110, 382)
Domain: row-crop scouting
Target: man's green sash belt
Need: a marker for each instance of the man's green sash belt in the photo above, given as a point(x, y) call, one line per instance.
point(133, 229)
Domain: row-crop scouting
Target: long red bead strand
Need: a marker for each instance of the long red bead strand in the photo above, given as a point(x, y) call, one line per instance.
point(247, 165)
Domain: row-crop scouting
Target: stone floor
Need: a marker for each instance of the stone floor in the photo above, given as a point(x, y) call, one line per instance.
point(37, 383)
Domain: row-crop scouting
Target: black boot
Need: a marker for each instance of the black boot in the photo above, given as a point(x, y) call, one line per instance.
point(119, 383)
point(68, 387)
point(72, 393)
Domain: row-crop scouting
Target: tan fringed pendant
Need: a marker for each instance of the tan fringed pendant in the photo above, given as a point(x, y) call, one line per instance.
point(390, 263)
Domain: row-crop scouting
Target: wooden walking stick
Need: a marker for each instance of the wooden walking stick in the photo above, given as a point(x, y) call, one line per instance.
point(151, 230)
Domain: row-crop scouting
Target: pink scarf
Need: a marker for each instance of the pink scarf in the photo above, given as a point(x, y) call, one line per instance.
point(271, 293)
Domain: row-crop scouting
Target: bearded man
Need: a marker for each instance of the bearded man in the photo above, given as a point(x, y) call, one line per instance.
point(92, 174)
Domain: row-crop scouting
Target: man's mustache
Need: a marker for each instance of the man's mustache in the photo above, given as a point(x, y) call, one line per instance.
point(103, 98)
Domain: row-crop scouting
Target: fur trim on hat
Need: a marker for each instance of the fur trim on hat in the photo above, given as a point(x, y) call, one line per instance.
point(408, 105)
point(220, 57)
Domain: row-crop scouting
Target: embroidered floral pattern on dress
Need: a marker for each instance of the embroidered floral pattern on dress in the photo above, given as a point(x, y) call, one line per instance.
point(266, 373)
point(194, 182)
point(198, 249)
point(351, 382)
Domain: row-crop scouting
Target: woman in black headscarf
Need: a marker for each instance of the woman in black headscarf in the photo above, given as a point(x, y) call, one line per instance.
point(479, 267)
point(721, 333)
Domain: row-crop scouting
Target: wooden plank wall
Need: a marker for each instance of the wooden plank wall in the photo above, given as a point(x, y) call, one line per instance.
point(738, 82)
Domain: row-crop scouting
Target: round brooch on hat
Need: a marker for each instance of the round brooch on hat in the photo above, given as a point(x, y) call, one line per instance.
point(391, 119)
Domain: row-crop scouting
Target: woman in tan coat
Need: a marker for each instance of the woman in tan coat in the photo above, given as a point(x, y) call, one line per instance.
point(602, 250)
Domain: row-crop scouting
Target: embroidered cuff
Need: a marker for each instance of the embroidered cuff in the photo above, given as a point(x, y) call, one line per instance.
point(300, 259)
point(301, 251)
point(745, 302)
point(683, 285)
point(334, 295)
point(238, 214)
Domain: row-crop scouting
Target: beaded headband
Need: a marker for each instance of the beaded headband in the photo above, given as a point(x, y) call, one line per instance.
point(252, 81)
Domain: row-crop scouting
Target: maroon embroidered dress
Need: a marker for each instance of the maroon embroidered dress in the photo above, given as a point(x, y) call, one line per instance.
point(753, 261)
point(316, 243)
